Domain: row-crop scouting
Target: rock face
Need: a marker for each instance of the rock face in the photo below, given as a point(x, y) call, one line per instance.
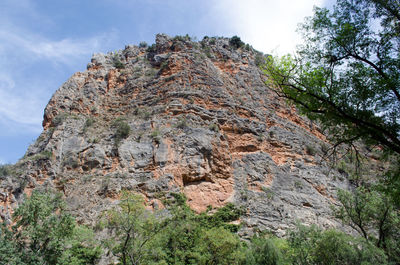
point(179, 116)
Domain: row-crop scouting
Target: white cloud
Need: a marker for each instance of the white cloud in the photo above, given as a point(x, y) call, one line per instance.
point(23, 95)
point(62, 51)
point(25, 108)
point(268, 25)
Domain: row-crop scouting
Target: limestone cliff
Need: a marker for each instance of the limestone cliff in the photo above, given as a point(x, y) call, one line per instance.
point(179, 116)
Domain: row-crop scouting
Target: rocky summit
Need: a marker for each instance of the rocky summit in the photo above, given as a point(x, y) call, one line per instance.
point(179, 116)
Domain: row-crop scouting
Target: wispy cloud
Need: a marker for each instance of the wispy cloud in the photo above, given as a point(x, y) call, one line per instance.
point(38, 47)
point(23, 95)
point(267, 24)
point(23, 109)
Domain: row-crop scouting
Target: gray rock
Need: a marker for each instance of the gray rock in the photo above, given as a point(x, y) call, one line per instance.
point(205, 125)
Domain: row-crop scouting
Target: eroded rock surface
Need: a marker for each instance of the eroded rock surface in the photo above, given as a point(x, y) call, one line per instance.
point(201, 121)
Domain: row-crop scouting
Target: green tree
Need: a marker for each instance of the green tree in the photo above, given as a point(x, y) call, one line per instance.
point(347, 74)
point(335, 247)
point(218, 246)
point(236, 42)
point(190, 238)
point(302, 241)
point(133, 228)
point(82, 248)
point(310, 245)
point(263, 251)
point(44, 233)
point(8, 248)
point(42, 228)
point(371, 213)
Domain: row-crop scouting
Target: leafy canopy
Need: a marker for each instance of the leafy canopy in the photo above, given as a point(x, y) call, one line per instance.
point(44, 233)
point(347, 74)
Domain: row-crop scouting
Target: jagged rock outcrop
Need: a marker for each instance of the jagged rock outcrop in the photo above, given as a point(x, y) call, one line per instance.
point(200, 121)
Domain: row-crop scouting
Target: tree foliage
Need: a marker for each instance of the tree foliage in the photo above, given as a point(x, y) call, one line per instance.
point(133, 227)
point(44, 233)
point(41, 228)
point(173, 236)
point(347, 74)
point(373, 214)
point(310, 245)
point(190, 238)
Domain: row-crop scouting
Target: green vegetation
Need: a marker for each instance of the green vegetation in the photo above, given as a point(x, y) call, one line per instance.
point(213, 127)
point(117, 62)
point(156, 136)
point(182, 123)
point(182, 38)
point(122, 130)
point(143, 113)
point(133, 227)
point(152, 48)
point(236, 42)
point(59, 119)
point(143, 44)
point(5, 170)
point(374, 215)
point(88, 123)
point(347, 77)
point(44, 233)
point(163, 66)
point(310, 150)
point(44, 155)
point(259, 59)
point(310, 245)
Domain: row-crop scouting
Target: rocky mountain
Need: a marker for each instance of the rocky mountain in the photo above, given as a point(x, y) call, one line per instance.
point(179, 116)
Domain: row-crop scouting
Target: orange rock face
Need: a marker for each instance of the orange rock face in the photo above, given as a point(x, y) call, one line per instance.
point(190, 117)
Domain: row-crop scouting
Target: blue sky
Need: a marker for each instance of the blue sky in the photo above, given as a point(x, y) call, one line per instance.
point(43, 42)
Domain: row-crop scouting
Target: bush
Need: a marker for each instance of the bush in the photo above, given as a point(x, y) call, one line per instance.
point(213, 127)
point(335, 247)
point(182, 123)
point(236, 42)
point(82, 248)
point(219, 246)
point(122, 130)
point(143, 44)
point(310, 150)
point(143, 113)
point(152, 48)
point(44, 233)
point(188, 238)
point(117, 63)
point(88, 123)
point(310, 245)
point(59, 119)
point(182, 38)
point(156, 136)
point(263, 251)
point(5, 170)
